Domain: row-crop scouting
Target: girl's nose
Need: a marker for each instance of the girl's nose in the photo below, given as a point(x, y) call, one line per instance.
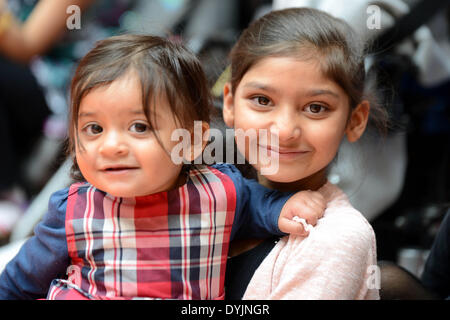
point(113, 145)
point(285, 126)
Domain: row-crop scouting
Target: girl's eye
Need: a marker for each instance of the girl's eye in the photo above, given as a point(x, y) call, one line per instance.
point(139, 127)
point(316, 108)
point(261, 100)
point(93, 129)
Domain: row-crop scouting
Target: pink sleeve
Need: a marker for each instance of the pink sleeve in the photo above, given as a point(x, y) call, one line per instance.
point(336, 261)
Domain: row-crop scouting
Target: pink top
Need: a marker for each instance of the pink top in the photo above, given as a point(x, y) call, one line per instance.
point(336, 261)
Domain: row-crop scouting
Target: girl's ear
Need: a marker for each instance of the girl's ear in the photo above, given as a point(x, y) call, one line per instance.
point(358, 121)
point(228, 105)
point(199, 139)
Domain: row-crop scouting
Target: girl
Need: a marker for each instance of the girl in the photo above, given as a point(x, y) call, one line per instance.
point(301, 72)
point(137, 224)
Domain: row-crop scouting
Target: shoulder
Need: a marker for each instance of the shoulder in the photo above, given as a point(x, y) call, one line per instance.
point(342, 224)
point(58, 200)
point(57, 206)
point(52, 225)
point(348, 229)
point(70, 190)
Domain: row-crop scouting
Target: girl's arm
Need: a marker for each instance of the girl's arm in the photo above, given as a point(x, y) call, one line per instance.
point(41, 259)
point(43, 28)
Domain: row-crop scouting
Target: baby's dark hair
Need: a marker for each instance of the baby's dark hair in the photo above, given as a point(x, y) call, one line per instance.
point(308, 33)
point(164, 68)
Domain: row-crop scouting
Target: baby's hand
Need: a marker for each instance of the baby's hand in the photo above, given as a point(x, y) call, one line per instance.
point(307, 205)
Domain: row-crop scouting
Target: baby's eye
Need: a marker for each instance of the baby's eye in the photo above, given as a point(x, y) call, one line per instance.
point(139, 127)
point(316, 108)
point(93, 129)
point(261, 100)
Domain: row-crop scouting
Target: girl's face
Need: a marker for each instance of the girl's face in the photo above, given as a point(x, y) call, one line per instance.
point(117, 151)
point(309, 111)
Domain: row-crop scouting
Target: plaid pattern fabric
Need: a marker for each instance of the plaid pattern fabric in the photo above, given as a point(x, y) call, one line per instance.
point(65, 290)
point(169, 245)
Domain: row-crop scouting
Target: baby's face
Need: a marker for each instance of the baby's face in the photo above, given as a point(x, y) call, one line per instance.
point(118, 152)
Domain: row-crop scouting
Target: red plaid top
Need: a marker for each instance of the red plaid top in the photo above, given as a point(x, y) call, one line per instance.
point(169, 245)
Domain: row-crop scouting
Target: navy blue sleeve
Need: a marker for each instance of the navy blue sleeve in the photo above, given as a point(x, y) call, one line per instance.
point(257, 207)
point(436, 275)
point(42, 258)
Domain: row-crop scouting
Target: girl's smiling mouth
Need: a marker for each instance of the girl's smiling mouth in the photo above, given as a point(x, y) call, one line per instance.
point(283, 153)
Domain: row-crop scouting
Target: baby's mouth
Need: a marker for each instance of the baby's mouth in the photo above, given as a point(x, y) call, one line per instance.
point(113, 169)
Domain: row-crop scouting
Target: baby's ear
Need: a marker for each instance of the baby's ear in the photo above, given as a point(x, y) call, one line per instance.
point(358, 121)
point(228, 105)
point(199, 139)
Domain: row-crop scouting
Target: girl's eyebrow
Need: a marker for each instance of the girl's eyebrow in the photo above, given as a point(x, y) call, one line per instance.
point(310, 93)
point(259, 85)
point(319, 92)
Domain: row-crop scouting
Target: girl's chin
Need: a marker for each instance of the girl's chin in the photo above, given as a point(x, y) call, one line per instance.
point(295, 177)
point(278, 179)
point(281, 177)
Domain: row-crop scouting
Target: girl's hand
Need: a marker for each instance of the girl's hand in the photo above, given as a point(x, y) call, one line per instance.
point(307, 205)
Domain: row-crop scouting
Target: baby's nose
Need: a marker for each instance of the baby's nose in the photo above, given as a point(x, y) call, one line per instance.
point(113, 145)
